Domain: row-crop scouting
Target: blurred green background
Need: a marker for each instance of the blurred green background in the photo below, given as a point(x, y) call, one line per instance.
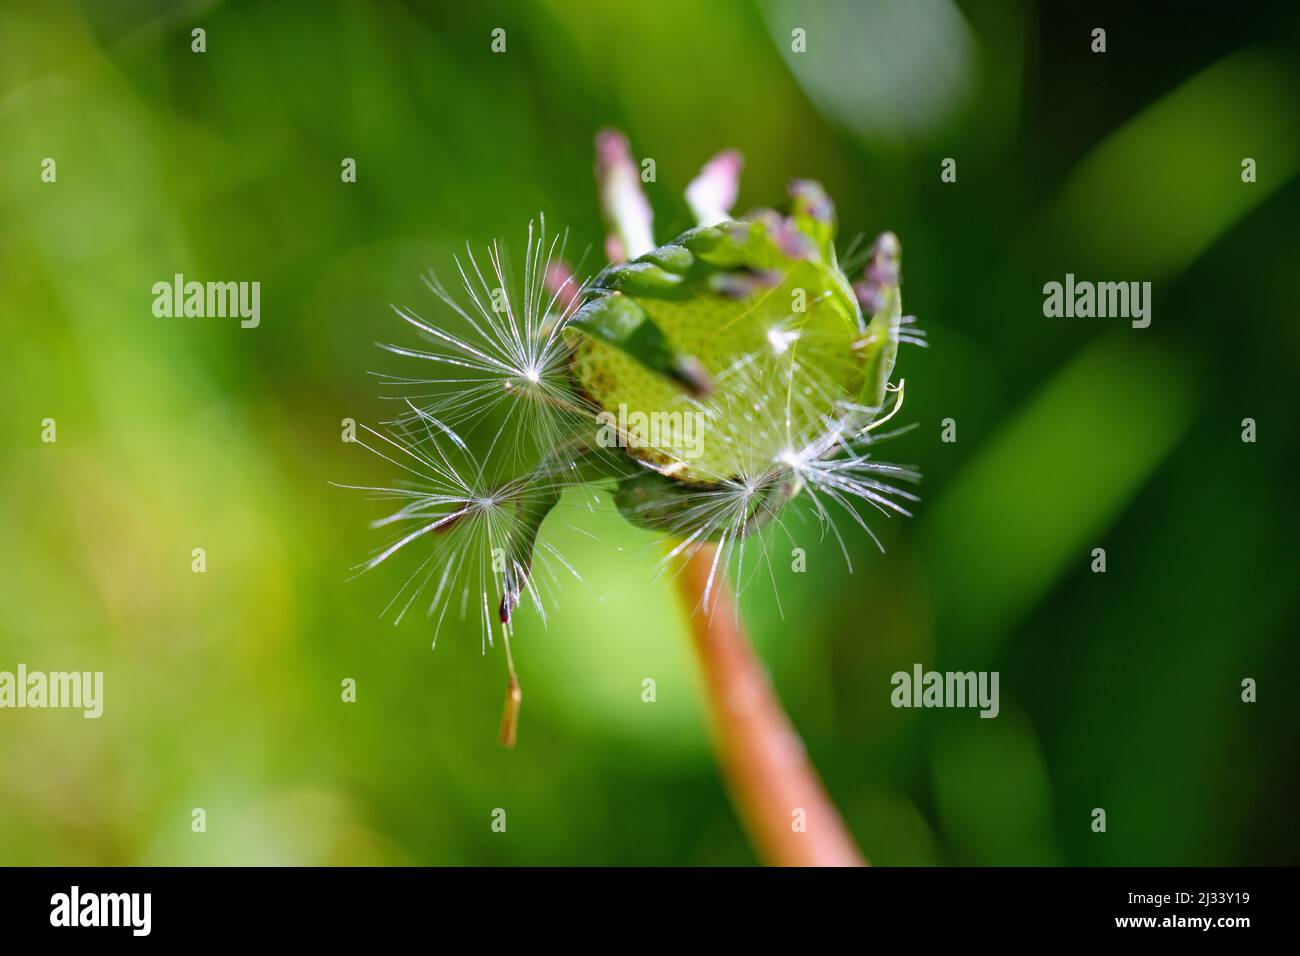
point(1119, 690)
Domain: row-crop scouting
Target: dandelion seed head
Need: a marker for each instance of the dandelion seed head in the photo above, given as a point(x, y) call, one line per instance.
point(771, 376)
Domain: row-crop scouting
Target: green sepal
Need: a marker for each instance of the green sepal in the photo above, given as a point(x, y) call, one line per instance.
point(881, 347)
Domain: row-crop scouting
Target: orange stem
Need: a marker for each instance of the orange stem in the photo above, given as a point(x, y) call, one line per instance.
point(766, 767)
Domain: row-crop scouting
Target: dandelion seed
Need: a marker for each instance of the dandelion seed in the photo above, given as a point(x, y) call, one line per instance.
point(781, 339)
point(478, 539)
point(510, 372)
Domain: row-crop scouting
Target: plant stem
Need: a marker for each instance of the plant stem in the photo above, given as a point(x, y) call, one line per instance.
point(766, 767)
point(514, 698)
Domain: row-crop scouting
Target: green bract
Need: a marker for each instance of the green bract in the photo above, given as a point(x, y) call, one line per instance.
point(737, 348)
